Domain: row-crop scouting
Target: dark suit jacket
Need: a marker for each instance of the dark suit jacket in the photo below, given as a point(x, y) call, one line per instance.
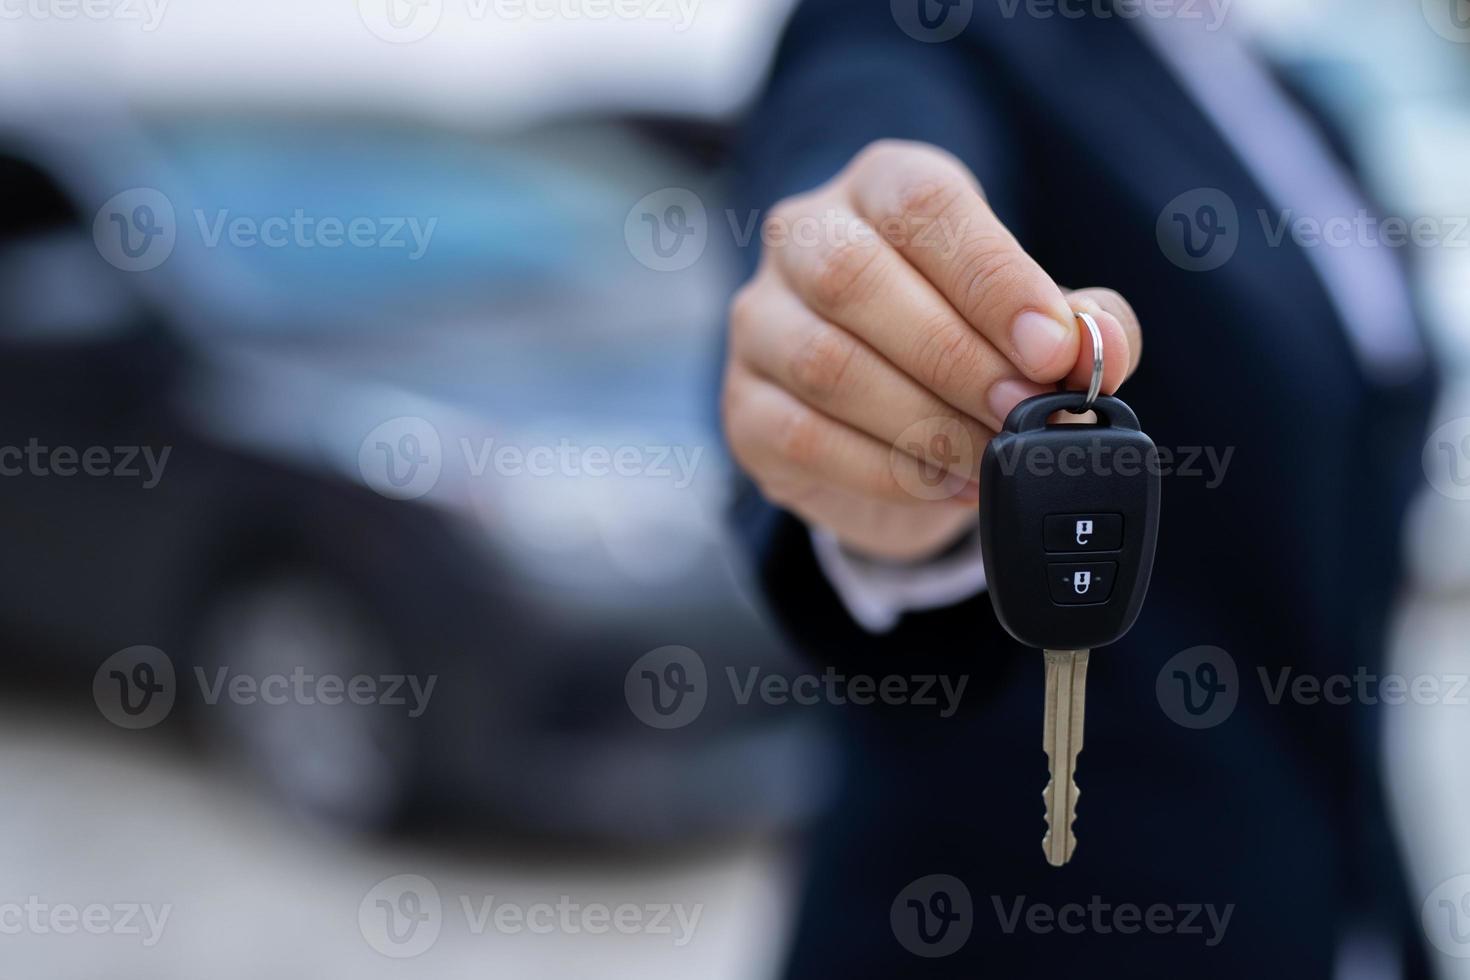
point(1080, 138)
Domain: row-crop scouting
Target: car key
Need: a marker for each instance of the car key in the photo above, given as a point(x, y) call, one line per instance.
point(1068, 521)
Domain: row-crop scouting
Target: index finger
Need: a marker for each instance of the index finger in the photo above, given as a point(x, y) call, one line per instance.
point(930, 209)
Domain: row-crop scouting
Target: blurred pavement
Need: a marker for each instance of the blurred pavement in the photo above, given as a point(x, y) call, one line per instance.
point(92, 819)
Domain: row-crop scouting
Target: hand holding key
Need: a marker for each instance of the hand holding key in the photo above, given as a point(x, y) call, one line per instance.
point(892, 308)
point(1068, 550)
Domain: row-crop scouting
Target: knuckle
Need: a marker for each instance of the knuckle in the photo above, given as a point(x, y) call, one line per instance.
point(840, 272)
point(821, 364)
point(1115, 303)
point(740, 429)
point(1110, 300)
point(782, 215)
point(926, 194)
point(989, 274)
point(920, 183)
point(797, 437)
point(947, 356)
point(742, 306)
point(885, 152)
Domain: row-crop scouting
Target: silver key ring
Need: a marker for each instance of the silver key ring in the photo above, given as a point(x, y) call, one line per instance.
point(1095, 385)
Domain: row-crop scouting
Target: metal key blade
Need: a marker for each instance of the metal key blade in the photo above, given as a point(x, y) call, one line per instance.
point(1066, 702)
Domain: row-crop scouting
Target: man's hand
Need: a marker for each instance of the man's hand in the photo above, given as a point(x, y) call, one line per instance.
point(891, 327)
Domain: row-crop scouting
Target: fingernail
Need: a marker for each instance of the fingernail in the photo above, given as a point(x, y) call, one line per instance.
point(1037, 338)
point(1006, 395)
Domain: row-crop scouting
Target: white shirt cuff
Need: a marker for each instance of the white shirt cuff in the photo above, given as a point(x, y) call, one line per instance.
point(877, 595)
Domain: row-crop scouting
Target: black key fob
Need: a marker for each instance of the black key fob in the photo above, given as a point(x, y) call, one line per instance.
point(1069, 515)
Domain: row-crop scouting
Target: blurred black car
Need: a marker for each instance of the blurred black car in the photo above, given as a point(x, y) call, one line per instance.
point(293, 466)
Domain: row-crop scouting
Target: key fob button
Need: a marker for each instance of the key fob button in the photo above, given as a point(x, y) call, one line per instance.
point(1083, 532)
point(1080, 584)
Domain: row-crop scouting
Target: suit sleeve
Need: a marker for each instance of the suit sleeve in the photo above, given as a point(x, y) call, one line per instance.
point(846, 75)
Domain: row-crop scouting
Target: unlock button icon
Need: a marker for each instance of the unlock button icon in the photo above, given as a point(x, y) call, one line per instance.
point(1081, 583)
point(1082, 532)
